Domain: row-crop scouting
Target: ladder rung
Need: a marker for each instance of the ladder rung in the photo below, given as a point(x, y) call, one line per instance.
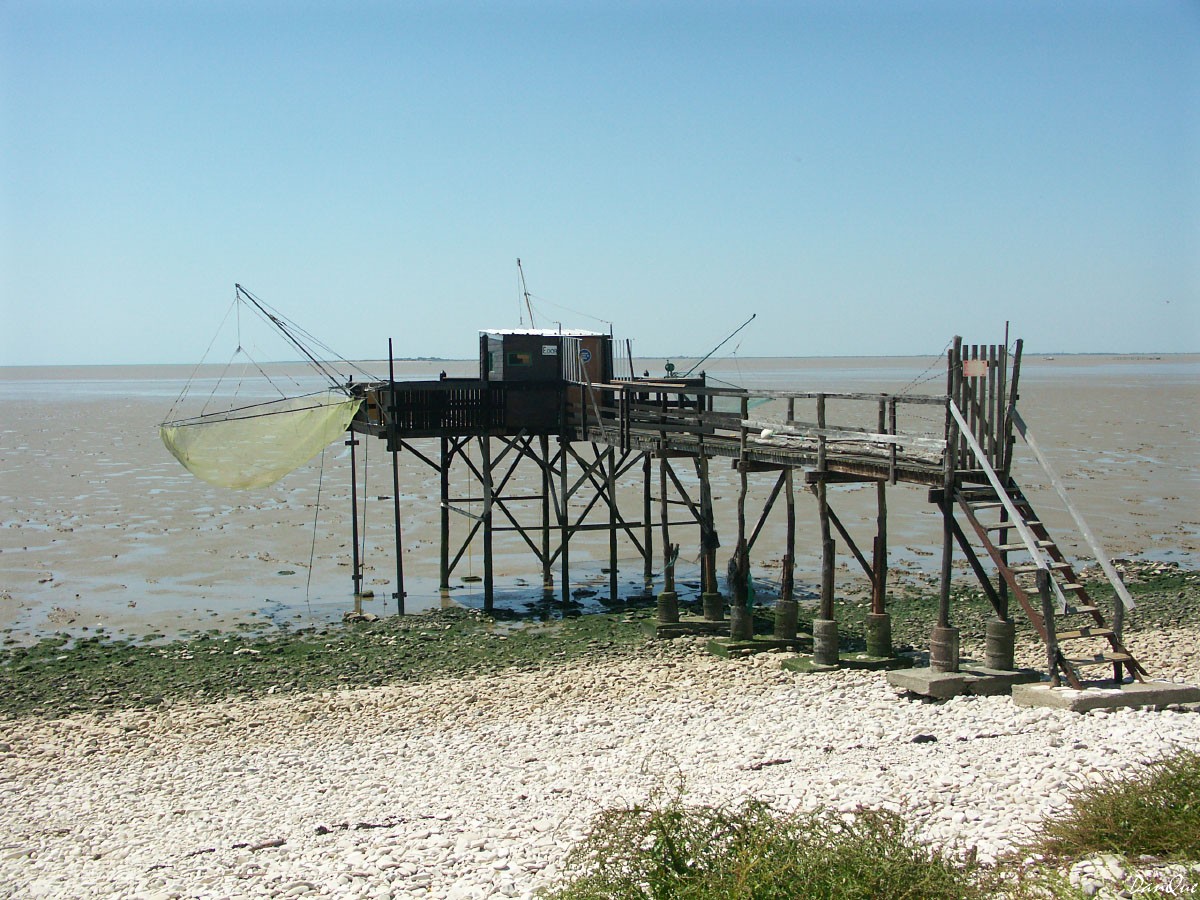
point(999, 526)
point(1044, 545)
point(1025, 570)
point(1085, 632)
point(1071, 587)
point(1073, 610)
point(1102, 659)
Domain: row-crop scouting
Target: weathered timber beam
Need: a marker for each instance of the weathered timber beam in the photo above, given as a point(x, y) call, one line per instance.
point(862, 560)
point(762, 519)
point(814, 477)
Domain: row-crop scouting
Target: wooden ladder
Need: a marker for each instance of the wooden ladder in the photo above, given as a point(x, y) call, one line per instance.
point(1075, 632)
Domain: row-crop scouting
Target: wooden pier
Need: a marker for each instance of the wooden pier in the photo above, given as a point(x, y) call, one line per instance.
point(552, 400)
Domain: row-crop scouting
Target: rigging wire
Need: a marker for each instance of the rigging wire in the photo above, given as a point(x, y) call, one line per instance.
point(301, 338)
point(921, 378)
point(540, 299)
point(231, 413)
point(216, 384)
point(188, 384)
point(720, 345)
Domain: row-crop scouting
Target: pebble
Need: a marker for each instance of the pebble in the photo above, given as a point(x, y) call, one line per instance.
point(463, 789)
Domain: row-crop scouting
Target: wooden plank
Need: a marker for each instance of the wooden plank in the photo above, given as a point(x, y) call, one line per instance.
point(846, 434)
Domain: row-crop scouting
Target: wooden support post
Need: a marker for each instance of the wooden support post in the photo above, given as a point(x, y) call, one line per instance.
point(787, 609)
point(355, 562)
point(828, 548)
point(713, 604)
point(612, 523)
point(394, 442)
point(1002, 583)
point(825, 630)
point(879, 557)
point(647, 524)
point(564, 522)
point(547, 571)
point(944, 643)
point(1118, 627)
point(668, 598)
point(1043, 587)
point(664, 520)
point(489, 588)
point(949, 478)
point(444, 525)
point(879, 623)
point(741, 615)
point(787, 579)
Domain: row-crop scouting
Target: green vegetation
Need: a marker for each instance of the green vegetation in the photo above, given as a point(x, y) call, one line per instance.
point(752, 851)
point(52, 678)
point(672, 851)
point(1167, 597)
point(60, 675)
point(1156, 814)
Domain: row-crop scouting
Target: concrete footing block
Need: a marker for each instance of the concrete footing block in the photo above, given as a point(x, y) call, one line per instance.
point(943, 649)
point(1139, 693)
point(741, 623)
point(969, 679)
point(668, 608)
point(825, 642)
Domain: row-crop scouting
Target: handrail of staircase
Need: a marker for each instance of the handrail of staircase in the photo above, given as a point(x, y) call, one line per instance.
point(1018, 521)
point(1097, 551)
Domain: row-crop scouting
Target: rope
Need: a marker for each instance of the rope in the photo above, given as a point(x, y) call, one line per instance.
point(312, 552)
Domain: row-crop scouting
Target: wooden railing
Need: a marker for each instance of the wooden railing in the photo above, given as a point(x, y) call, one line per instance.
point(663, 409)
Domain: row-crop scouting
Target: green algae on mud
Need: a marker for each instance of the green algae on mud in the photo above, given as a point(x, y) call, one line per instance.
point(1167, 596)
point(51, 679)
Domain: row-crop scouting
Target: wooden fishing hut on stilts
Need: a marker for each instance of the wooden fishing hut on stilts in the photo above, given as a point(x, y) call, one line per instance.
point(553, 399)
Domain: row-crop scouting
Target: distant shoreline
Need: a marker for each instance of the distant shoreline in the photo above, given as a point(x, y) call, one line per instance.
point(14, 372)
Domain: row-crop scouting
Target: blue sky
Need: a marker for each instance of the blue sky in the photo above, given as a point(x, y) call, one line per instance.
point(868, 178)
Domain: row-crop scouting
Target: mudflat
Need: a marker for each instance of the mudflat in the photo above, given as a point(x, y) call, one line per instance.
point(102, 529)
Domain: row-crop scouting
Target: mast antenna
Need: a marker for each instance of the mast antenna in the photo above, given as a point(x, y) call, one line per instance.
point(286, 332)
point(720, 345)
point(525, 291)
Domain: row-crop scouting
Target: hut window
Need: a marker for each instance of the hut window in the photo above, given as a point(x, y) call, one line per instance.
point(518, 358)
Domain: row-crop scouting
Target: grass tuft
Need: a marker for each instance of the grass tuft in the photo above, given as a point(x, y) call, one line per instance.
point(753, 851)
point(1156, 813)
point(666, 850)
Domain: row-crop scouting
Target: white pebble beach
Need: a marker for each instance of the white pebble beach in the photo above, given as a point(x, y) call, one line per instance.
point(478, 788)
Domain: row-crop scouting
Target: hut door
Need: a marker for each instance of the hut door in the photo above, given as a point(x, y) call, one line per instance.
point(983, 383)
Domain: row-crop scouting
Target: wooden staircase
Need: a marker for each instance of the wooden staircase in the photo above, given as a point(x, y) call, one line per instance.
point(1075, 631)
point(1040, 577)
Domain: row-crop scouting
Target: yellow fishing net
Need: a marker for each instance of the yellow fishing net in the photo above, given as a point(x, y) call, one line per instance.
point(258, 445)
